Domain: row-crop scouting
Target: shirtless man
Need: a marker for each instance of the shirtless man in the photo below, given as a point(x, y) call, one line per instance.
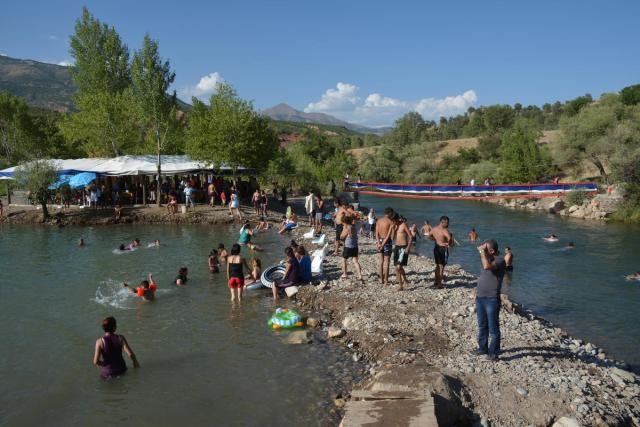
point(473, 235)
point(401, 250)
point(444, 240)
point(384, 243)
point(426, 229)
point(340, 213)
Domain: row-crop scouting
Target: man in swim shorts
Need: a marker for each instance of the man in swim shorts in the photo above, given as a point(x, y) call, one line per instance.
point(443, 241)
point(384, 243)
point(401, 250)
point(340, 213)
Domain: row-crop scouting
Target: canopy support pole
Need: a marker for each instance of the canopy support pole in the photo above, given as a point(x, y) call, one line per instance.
point(8, 192)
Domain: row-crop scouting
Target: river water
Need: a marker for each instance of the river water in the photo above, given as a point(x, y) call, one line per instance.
point(203, 361)
point(582, 290)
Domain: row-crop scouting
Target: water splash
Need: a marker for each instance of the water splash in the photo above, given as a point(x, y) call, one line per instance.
point(111, 293)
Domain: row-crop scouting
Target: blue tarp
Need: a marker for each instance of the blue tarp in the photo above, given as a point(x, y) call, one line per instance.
point(81, 180)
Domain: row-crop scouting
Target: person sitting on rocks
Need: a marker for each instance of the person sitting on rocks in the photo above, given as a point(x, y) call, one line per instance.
point(291, 273)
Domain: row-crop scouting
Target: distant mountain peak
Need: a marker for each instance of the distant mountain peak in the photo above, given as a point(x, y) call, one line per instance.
point(287, 113)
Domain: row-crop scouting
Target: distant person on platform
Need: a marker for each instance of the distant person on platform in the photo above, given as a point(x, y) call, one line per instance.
point(473, 235)
point(488, 300)
point(108, 351)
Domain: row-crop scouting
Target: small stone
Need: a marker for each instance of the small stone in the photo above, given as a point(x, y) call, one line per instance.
point(566, 422)
point(521, 391)
point(616, 379)
point(339, 403)
point(299, 337)
point(335, 332)
point(312, 322)
point(625, 375)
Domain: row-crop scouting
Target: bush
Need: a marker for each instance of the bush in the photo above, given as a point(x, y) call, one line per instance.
point(576, 197)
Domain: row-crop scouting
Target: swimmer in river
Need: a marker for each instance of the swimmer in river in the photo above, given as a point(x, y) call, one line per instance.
point(214, 266)
point(181, 278)
point(222, 253)
point(81, 242)
point(473, 235)
point(146, 290)
point(154, 244)
point(108, 351)
point(262, 224)
point(508, 258)
point(123, 248)
point(571, 245)
point(256, 271)
point(246, 233)
point(135, 243)
point(635, 276)
point(551, 238)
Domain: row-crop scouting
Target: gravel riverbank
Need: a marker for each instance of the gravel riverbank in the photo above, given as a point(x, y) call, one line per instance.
point(422, 338)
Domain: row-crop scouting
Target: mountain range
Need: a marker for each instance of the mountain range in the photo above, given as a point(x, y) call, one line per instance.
point(287, 113)
point(50, 86)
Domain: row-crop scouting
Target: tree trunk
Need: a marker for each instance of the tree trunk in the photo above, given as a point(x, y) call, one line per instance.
point(45, 212)
point(600, 167)
point(158, 178)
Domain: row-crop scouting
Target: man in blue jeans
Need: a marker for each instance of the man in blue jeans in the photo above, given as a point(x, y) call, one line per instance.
point(488, 300)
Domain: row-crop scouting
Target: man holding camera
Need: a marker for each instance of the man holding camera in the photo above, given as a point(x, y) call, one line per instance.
point(488, 300)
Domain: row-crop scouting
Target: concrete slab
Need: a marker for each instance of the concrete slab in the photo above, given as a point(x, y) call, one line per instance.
point(387, 413)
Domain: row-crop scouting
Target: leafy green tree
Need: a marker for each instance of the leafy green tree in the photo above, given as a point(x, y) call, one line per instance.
point(498, 118)
point(101, 58)
point(574, 106)
point(630, 95)
point(106, 123)
point(17, 130)
point(151, 78)
point(521, 158)
point(585, 135)
point(36, 177)
point(381, 166)
point(408, 129)
point(229, 132)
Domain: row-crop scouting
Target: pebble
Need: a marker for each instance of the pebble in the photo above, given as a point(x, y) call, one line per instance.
point(521, 391)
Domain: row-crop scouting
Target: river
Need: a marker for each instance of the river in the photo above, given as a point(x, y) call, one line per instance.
point(204, 362)
point(583, 290)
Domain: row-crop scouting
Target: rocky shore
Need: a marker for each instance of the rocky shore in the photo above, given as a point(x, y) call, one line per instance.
point(416, 347)
point(600, 207)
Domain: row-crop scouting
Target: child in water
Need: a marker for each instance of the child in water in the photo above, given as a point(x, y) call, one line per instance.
point(222, 253)
point(146, 290)
point(214, 266)
point(181, 278)
point(256, 271)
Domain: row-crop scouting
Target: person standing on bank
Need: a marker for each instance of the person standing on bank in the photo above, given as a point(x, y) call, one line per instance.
point(488, 300)
point(310, 207)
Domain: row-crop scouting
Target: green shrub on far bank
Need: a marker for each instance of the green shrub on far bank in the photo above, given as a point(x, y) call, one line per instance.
point(628, 213)
point(576, 197)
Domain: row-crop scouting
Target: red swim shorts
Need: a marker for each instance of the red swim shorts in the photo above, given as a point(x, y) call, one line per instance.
point(236, 282)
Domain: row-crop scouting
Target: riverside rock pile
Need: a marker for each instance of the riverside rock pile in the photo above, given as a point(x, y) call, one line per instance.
point(600, 207)
point(543, 375)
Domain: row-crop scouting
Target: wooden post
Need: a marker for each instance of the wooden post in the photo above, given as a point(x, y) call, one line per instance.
point(144, 190)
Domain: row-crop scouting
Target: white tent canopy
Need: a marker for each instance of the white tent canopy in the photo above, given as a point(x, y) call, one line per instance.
point(129, 165)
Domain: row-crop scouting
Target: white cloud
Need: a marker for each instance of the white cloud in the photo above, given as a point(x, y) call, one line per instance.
point(378, 110)
point(342, 98)
point(203, 89)
point(66, 63)
point(53, 37)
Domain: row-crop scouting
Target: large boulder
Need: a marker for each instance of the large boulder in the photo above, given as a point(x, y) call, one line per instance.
point(555, 205)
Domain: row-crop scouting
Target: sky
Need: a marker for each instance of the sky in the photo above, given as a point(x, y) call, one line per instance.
point(367, 62)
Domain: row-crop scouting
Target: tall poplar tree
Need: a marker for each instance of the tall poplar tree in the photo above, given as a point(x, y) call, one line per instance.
point(151, 78)
point(105, 121)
